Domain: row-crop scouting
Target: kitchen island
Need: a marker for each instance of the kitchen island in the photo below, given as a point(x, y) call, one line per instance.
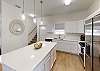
point(30, 59)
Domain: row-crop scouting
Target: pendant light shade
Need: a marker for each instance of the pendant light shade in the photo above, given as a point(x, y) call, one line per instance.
point(67, 2)
point(23, 16)
point(34, 18)
point(41, 22)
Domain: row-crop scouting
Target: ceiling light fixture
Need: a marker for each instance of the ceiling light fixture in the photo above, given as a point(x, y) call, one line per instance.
point(67, 2)
point(34, 20)
point(32, 15)
point(41, 23)
point(23, 15)
point(43, 27)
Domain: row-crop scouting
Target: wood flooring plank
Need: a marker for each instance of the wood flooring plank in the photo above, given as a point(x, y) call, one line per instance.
point(0, 67)
point(67, 62)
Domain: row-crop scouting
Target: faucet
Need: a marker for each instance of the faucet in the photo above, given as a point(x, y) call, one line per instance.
point(59, 36)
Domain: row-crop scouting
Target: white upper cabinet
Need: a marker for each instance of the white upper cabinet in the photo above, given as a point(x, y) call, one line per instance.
point(50, 27)
point(74, 27)
point(68, 27)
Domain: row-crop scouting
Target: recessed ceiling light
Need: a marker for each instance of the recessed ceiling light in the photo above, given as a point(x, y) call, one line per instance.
point(67, 2)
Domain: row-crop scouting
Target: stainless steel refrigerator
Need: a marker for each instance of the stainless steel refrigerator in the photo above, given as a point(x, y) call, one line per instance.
point(92, 38)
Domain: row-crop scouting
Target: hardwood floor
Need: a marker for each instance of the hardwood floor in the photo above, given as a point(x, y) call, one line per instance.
point(0, 67)
point(67, 62)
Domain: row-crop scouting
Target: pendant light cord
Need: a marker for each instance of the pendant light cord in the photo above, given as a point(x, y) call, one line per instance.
point(23, 7)
point(41, 9)
point(34, 9)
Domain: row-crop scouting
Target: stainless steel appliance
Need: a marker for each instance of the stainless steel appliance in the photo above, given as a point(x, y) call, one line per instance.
point(92, 38)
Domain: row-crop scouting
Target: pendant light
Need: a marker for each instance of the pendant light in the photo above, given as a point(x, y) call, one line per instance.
point(17, 4)
point(41, 22)
point(67, 2)
point(23, 14)
point(34, 18)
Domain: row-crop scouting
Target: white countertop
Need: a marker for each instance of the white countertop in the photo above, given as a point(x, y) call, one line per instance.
point(27, 58)
point(66, 40)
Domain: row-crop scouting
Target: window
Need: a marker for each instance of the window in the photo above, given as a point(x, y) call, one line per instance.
point(59, 29)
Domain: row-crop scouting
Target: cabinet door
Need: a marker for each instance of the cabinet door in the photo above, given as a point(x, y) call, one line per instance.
point(53, 56)
point(74, 27)
point(80, 26)
point(60, 46)
point(73, 47)
point(7, 68)
point(48, 64)
point(68, 46)
point(50, 27)
point(71, 27)
point(40, 67)
point(54, 53)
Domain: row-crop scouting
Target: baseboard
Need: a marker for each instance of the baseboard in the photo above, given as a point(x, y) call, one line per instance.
point(67, 52)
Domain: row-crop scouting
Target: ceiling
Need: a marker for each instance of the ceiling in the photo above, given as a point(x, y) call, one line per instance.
point(53, 7)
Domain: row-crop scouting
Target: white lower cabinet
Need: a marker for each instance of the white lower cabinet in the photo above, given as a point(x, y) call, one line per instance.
point(40, 67)
point(48, 62)
point(53, 56)
point(68, 46)
point(7, 68)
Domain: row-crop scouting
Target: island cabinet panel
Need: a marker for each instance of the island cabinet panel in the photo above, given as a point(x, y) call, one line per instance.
point(48, 61)
point(53, 56)
point(7, 68)
point(47, 64)
point(40, 67)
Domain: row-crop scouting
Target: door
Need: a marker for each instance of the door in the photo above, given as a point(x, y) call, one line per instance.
point(88, 46)
point(92, 34)
point(96, 43)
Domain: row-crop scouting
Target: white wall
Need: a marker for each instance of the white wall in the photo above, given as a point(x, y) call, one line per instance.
point(51, 20)
point(9, 41)
point(31, 29)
